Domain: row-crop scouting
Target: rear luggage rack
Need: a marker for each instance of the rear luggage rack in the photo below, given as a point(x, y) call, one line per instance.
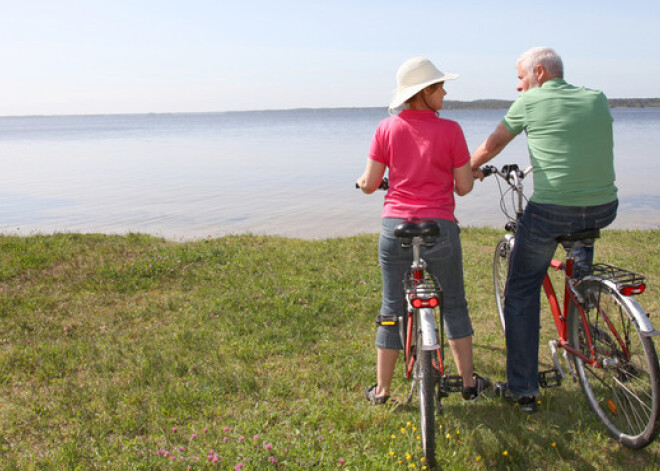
point(627, 282)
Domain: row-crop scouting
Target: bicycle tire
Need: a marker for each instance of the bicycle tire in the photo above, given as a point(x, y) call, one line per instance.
point(501, 260)
point(625, 394)
point(427, 399)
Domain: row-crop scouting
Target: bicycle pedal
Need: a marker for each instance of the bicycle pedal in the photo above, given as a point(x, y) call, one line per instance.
point(387, 320)
point(450, 384)
point(550, 378)
point(442, 390)
point(500, 389)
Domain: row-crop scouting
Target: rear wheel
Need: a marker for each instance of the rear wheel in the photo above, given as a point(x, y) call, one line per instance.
point(623, 386)
point(427, 405)
point(500, 273)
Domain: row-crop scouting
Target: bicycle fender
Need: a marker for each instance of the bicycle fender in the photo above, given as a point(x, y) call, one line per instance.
point(427, 326)
point(642, 319)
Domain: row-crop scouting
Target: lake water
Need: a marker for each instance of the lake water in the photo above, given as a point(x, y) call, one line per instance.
point(291, 173)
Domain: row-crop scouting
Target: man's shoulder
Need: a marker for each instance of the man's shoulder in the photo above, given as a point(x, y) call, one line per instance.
point(589, 91)
point(591, 98)
point(570, 88)
point(561, 91)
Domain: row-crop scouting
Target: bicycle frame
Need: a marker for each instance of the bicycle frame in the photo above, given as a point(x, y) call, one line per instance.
point(561, 316)
point(421, 300)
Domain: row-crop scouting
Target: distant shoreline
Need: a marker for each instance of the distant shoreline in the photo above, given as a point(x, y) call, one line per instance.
point(498, 104)
point(486, 104)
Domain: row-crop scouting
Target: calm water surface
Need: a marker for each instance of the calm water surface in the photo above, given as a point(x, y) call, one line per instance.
point(290, 173)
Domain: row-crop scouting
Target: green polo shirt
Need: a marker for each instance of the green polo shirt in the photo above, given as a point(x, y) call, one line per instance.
point(569, 136)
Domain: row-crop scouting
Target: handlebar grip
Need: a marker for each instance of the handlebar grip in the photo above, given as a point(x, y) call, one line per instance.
point(488, 170)
point(385, 184)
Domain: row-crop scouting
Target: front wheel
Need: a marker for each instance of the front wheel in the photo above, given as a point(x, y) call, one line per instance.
point(621, 382)
point(500, 272)
point(427, 405)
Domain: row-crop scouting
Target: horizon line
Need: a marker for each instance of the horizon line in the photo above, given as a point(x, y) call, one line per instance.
point(653, 103)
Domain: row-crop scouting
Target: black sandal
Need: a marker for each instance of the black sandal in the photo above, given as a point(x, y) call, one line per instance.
point(472, 392)
point(375, 400)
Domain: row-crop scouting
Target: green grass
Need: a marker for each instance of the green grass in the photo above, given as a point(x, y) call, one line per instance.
point(126, 352)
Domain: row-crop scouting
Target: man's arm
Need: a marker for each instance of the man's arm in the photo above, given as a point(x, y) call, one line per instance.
point(492, 146)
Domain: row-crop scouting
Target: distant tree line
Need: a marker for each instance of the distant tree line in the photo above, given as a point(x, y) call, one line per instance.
point(634, 102)
point(498, 104)
point(476, 104)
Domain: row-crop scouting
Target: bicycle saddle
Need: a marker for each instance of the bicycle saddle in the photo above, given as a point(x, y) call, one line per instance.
point(587, 238)
point(426, 229)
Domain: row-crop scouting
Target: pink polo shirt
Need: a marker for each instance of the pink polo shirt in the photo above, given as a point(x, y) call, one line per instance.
point(421, 152)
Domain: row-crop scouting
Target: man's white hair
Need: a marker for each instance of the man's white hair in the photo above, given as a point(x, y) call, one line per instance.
point(544, 56)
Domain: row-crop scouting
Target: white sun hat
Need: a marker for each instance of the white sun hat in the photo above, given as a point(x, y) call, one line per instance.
point(415, 75)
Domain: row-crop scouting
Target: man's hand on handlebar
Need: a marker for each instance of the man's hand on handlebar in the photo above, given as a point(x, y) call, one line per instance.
point(483, 172)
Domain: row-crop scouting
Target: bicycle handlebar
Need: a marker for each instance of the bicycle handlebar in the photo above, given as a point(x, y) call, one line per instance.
point(513, 177)
point(488, 170)
point(506, 172)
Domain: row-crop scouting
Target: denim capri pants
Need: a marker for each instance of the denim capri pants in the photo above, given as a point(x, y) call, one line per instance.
point(445, 262)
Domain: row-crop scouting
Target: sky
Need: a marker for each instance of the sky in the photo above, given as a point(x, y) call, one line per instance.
point(60, 57)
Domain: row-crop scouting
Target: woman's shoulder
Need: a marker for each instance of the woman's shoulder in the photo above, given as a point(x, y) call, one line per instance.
point(403, 120)
point(448, 124)
point(389, 124)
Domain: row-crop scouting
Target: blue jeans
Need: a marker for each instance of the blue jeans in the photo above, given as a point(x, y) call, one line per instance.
point(445, 261)
point(535, 245)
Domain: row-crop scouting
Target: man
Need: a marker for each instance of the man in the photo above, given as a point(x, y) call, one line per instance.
point(569, 137)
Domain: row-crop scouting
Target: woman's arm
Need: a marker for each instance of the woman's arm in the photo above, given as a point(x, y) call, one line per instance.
point(463, 179)
point(373, 175)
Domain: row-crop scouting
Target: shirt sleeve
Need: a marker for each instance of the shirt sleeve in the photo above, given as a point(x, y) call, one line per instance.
point(514, 121)
point(461, 151)
point(376, 149)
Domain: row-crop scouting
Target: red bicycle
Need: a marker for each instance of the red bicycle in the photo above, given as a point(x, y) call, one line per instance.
point(421, 328)
point(605, 335)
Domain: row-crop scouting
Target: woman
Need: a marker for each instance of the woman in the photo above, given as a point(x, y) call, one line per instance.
point(428, 160)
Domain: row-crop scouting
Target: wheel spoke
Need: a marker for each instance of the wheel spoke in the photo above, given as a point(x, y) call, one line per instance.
point(623, 390)
point(625, 400)
point(630, 397)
